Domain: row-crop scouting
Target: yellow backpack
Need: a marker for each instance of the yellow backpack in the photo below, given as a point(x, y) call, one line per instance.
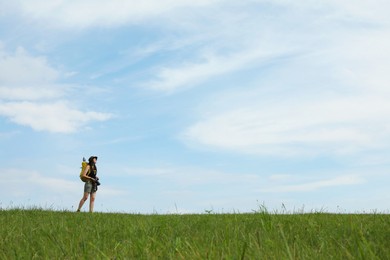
point(83, 166)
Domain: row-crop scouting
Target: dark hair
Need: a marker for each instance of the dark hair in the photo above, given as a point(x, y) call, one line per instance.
point(92, 165)
point(91, 158)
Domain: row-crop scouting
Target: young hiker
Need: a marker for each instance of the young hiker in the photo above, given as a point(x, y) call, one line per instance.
point(91, 182)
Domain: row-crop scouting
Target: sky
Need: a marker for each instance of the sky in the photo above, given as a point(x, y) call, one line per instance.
point(196, 106)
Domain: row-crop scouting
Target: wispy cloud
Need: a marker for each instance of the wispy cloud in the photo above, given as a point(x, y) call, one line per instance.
point(316, 185)
point(301, 127)
point(188, 75)
point(88, 13)
point(35, 189)
point(31, 181)
point(329, 99)
point(189, 176)
point(346, 10)
point(307, 80)
point(234, 44)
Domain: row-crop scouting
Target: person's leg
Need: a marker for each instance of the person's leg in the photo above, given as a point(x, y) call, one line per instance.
point(92, 201)
point(83, 199)
point(87, 191)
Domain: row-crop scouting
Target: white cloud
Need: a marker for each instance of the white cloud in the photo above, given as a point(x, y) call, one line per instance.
point(316, 185)
point(31, 93)
point(371, 11)
point(89, 13)
point(240, 39)
point(190, 176)
point(31, 96)
point(31, 188)
point(25, 77)
point(330, 98)
point(21, 68)
point(346, 10)
point(300, 127)
point(187, 75)
point(56, 117)
point(25, 183)
point(361, 59)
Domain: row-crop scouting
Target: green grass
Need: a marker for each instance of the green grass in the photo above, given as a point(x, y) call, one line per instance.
point(40, 234)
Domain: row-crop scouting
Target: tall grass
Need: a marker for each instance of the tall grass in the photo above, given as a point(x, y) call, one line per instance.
point(40, 234)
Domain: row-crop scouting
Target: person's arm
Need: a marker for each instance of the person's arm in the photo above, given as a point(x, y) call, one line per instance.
point(85, 173)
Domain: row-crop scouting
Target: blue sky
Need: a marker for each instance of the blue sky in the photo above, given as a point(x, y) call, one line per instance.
point(194, 106)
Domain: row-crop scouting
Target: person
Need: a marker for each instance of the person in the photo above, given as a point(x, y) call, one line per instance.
point(91, 183)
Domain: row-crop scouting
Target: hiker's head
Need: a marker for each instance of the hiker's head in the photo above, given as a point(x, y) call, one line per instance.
point(92, 159)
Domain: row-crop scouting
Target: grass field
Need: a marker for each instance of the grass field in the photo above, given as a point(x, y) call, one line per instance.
point(40, 234)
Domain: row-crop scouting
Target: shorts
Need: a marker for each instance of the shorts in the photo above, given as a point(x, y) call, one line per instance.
point(90, 187)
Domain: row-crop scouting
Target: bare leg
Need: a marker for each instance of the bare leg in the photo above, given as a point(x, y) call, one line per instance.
point(83, 199)
point(92, 201)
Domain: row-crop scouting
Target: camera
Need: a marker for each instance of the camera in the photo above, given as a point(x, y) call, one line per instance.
point(97, 181)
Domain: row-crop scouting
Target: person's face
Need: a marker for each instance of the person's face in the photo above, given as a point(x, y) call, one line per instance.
point(94, 160)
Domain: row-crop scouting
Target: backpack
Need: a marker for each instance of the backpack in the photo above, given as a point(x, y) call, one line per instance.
point(83, 166)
